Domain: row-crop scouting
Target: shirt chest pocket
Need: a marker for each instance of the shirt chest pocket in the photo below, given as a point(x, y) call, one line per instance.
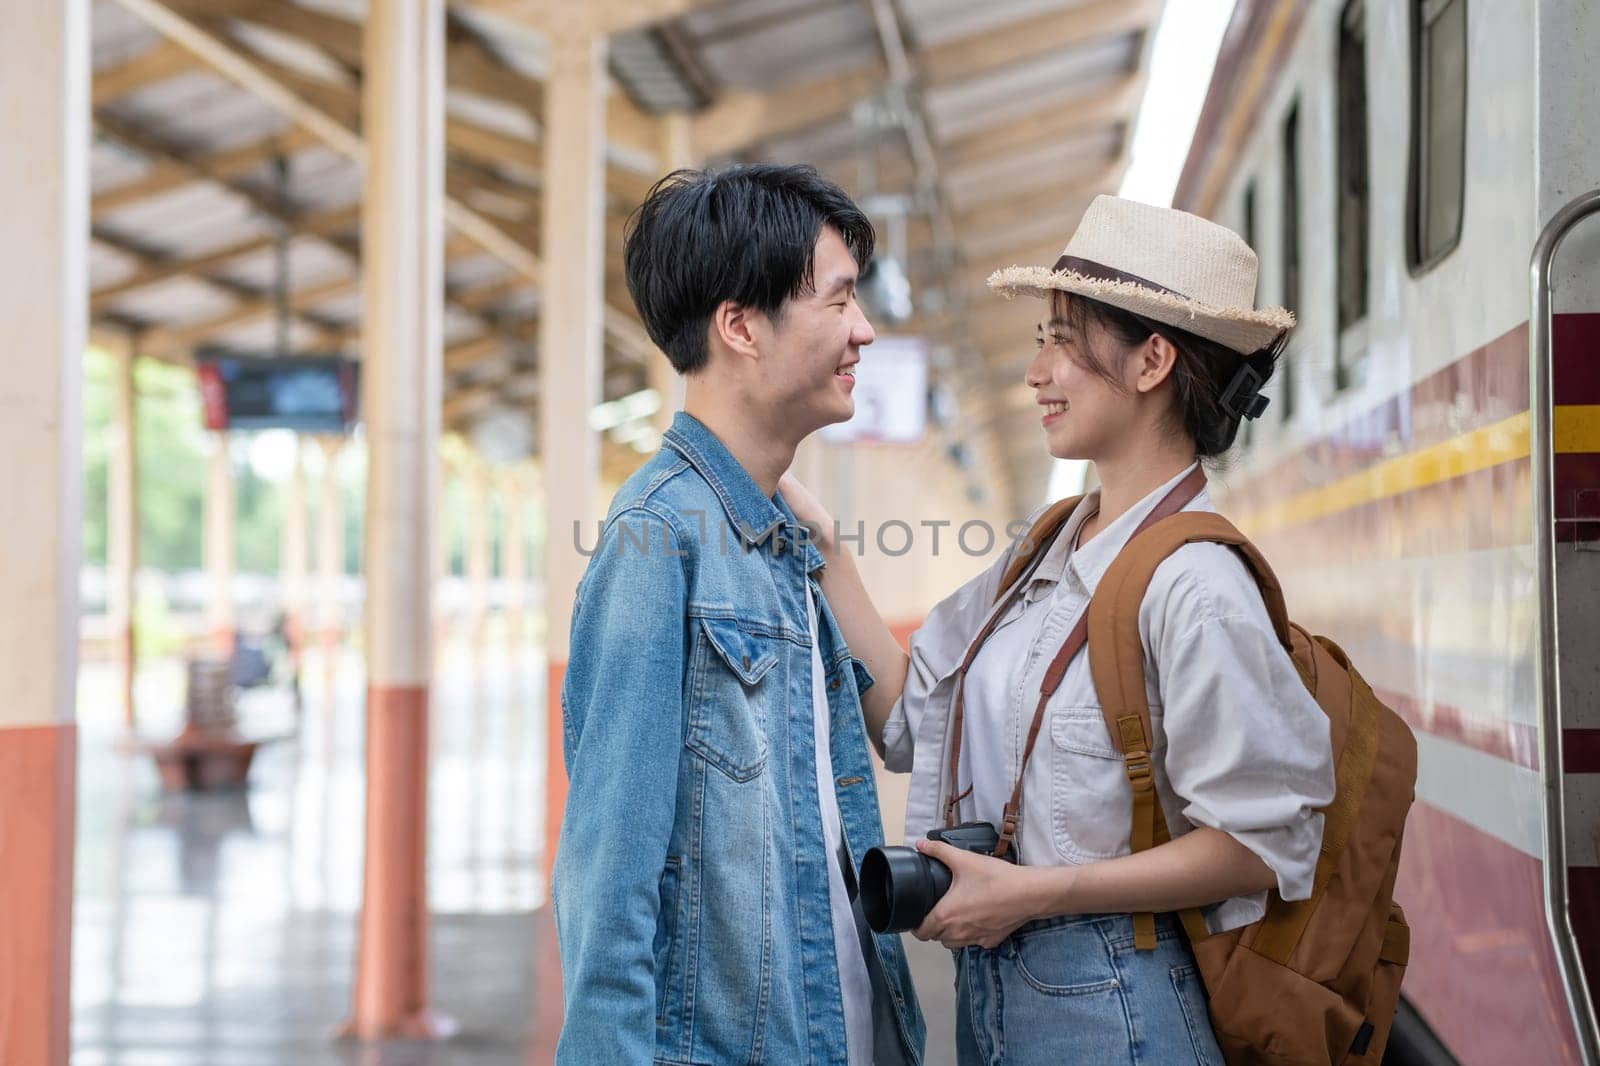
point(1091, 805)
point(731, 685)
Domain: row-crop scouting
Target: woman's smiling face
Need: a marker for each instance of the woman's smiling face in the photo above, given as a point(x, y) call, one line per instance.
point(1084, 412)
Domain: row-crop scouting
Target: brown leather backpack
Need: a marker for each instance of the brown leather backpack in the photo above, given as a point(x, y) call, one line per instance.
point(1315, 981)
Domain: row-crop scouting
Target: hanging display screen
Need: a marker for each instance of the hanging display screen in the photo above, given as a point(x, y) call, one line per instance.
point(307, 393)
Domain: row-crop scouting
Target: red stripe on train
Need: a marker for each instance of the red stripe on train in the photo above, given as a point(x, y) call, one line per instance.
point(1515, 742)
point(1482, 970)
point(1575, 357)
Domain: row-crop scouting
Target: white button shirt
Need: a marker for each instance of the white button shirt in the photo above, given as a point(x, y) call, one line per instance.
point(1238, 744)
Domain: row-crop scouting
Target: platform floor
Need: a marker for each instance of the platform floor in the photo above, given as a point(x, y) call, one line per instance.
point(219, 930)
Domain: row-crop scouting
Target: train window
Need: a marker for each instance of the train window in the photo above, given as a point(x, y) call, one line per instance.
point(1438, 128)
point(1290, 246)
point(1353, 189)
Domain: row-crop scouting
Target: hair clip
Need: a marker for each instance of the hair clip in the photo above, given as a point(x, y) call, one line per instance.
point(1242, 398)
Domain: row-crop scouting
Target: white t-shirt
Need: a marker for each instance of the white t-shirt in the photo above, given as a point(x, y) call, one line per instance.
point(855, 984)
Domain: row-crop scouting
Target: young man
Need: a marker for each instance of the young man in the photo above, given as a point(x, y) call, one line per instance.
point(720, 791)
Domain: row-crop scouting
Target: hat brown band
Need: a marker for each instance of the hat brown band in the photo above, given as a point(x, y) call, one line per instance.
point(1100, 272)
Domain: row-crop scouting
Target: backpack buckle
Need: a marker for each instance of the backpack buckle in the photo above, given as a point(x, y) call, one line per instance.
point(1138, 767)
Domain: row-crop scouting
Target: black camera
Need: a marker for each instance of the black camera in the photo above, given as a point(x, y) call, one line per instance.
point(899, 885)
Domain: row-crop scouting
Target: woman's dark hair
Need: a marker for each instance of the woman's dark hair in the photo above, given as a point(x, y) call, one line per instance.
point(745, 233)
point(1200, 374)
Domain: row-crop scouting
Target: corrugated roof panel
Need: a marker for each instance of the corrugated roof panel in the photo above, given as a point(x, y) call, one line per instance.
point(201, 111)
point(117, 35)
point(108, 265)
point(260, 336)
point(743, 16)
point(474, 270)
point(496, 115)
point(518, 44)
point(189, 220)
point(1011, 91)
point(349, 10)
point(175, 302)
point(302, 57)
point(311, 262)
point(112, 164)
point(522, 303)
point(814, 43)
point(835, 142)
point(937, 22)
point(458, 325)
point(319, 178)
point(344, 308)
point(990, 180)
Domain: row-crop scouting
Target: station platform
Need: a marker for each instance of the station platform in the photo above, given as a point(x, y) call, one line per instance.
point(219, 929)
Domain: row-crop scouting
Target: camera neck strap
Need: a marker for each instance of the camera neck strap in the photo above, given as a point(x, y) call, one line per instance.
point(1180, 497)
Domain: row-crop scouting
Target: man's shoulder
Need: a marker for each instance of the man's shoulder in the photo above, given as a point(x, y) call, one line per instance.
point(668, 489)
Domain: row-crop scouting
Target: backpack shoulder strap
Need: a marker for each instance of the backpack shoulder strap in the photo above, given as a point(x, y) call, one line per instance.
point(1116, 650)
point(1116, 662)
point(1030, 549)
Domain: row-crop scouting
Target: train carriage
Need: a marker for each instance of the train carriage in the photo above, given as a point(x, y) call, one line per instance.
point(1397, 163)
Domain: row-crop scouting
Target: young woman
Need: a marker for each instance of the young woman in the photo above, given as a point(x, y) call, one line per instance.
point(1151, 352)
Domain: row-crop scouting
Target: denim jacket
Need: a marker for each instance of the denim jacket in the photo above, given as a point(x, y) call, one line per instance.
point(691, 882)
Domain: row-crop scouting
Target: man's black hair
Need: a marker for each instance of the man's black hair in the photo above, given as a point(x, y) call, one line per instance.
point(745, 233)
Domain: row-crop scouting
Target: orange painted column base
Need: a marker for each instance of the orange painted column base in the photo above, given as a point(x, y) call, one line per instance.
point(392, 994)
point(38, 768)
point(555, 769)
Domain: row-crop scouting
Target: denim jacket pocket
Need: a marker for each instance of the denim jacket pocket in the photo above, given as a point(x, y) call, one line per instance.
point(728, 696)
point(1090, 802)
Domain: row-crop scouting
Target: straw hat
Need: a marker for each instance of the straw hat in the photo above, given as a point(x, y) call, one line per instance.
point(1166, 265)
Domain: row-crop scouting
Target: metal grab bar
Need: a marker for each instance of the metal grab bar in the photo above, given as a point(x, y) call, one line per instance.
point(1547, 685)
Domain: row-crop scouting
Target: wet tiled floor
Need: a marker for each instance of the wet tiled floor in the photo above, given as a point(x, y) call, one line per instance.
point(219, 929)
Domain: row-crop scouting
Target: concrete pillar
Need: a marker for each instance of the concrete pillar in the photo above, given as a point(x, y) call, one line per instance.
point(480, 549)
point(441, 557)
point(44, 231)
point(293, 559)
point(219, 545)
point(402, 229)
point(569, 324)
point(514, 555)
point(330, 551)
point(122, 525)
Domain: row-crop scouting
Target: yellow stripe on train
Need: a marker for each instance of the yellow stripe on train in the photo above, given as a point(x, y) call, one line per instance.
point(1577, 430)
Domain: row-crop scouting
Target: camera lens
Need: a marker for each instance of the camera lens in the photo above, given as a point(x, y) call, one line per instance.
point(899, 886)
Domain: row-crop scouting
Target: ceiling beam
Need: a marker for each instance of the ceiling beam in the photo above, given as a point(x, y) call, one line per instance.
point(1054, 120)
point(1026, 230)
point(165, 175)
point(612, 16)
point(174, 343)
point(163, 61)
point(1055, 31)
point(230, 289)
point(1046, 203)
point(742, 119)
point(464, 355)
point(155, 149)
point(156, 269)
point(245, 71)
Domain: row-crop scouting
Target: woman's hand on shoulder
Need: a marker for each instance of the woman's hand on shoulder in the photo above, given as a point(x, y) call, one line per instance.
point(809, 510)
point(988, 898)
